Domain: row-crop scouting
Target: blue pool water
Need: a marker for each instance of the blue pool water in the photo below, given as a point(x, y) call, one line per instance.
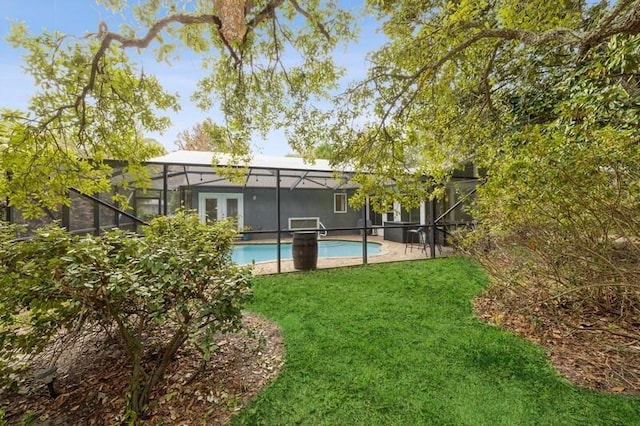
point(246, 253)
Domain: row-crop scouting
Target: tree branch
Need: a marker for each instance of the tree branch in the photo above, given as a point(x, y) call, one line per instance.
point(608, 26)
point(304, 13)
point(140, 43)
point(265, 13)
point(617, 333)
point(605, 26)
point(611, 24)
point(629, 24)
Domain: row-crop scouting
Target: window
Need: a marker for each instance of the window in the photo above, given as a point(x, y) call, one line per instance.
point(303, 223)
point(340, 202)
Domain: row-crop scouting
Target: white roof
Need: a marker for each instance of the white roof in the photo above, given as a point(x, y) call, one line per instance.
point(205, 158)
point(195, 168)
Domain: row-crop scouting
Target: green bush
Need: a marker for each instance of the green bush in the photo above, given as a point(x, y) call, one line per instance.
point(177, 278)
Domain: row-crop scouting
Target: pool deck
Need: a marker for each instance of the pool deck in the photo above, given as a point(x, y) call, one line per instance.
point(389, 252)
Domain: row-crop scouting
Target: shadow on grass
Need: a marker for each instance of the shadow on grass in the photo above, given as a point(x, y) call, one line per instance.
point(399, 344)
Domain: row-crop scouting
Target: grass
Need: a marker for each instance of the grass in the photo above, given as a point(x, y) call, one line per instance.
point(398, 344)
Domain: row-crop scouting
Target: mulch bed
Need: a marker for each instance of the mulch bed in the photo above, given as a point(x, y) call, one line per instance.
point(92, 384)
point(593, 350)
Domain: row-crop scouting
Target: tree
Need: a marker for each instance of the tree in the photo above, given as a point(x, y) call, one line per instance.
point(205, 136)
point(544, 97)
point(323, 150)
point(263, 60)
point(320, 150)
point(157, 144)
point(194, 140)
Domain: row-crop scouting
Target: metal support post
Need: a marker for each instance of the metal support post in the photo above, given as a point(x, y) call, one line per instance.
point(364, 233)
point(165, 190)
point(278, 227)
point(432, 228)
point(96, 217)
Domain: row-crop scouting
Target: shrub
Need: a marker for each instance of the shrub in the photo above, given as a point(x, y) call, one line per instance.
point(178, 278)
point(567, 229)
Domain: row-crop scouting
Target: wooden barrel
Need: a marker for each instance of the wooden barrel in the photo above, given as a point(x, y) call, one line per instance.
point(305, 250)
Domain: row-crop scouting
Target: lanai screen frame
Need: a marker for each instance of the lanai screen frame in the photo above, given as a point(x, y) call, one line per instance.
point(276, 173)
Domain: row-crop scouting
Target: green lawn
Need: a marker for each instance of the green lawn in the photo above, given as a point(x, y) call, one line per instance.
point(398, 344)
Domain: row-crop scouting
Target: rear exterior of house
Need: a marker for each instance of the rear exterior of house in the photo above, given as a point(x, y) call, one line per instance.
point(267, 196)
point(255, 209)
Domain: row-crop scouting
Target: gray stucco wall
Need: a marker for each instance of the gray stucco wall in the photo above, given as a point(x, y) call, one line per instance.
point(260, 207)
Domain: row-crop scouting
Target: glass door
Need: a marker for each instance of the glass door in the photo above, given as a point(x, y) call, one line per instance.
point(217, 206)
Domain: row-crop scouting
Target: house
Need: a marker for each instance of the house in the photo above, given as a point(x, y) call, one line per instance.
point(268, 196)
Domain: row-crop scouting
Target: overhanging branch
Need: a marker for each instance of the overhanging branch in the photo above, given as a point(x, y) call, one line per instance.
point(140, 43)
point(304, 13)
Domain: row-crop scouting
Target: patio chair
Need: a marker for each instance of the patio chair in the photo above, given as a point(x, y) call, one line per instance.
point(416, 237)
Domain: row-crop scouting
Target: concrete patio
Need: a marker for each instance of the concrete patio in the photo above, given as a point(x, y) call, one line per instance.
point(390, 252)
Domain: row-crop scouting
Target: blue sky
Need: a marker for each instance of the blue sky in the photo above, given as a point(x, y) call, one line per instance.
point(82, 16)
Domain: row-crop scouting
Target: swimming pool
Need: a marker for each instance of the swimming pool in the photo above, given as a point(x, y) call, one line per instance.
point(246, 253)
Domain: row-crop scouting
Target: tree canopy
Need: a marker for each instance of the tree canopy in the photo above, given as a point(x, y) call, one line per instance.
point(263, 60)
point(457, 76)
point(544, 97)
